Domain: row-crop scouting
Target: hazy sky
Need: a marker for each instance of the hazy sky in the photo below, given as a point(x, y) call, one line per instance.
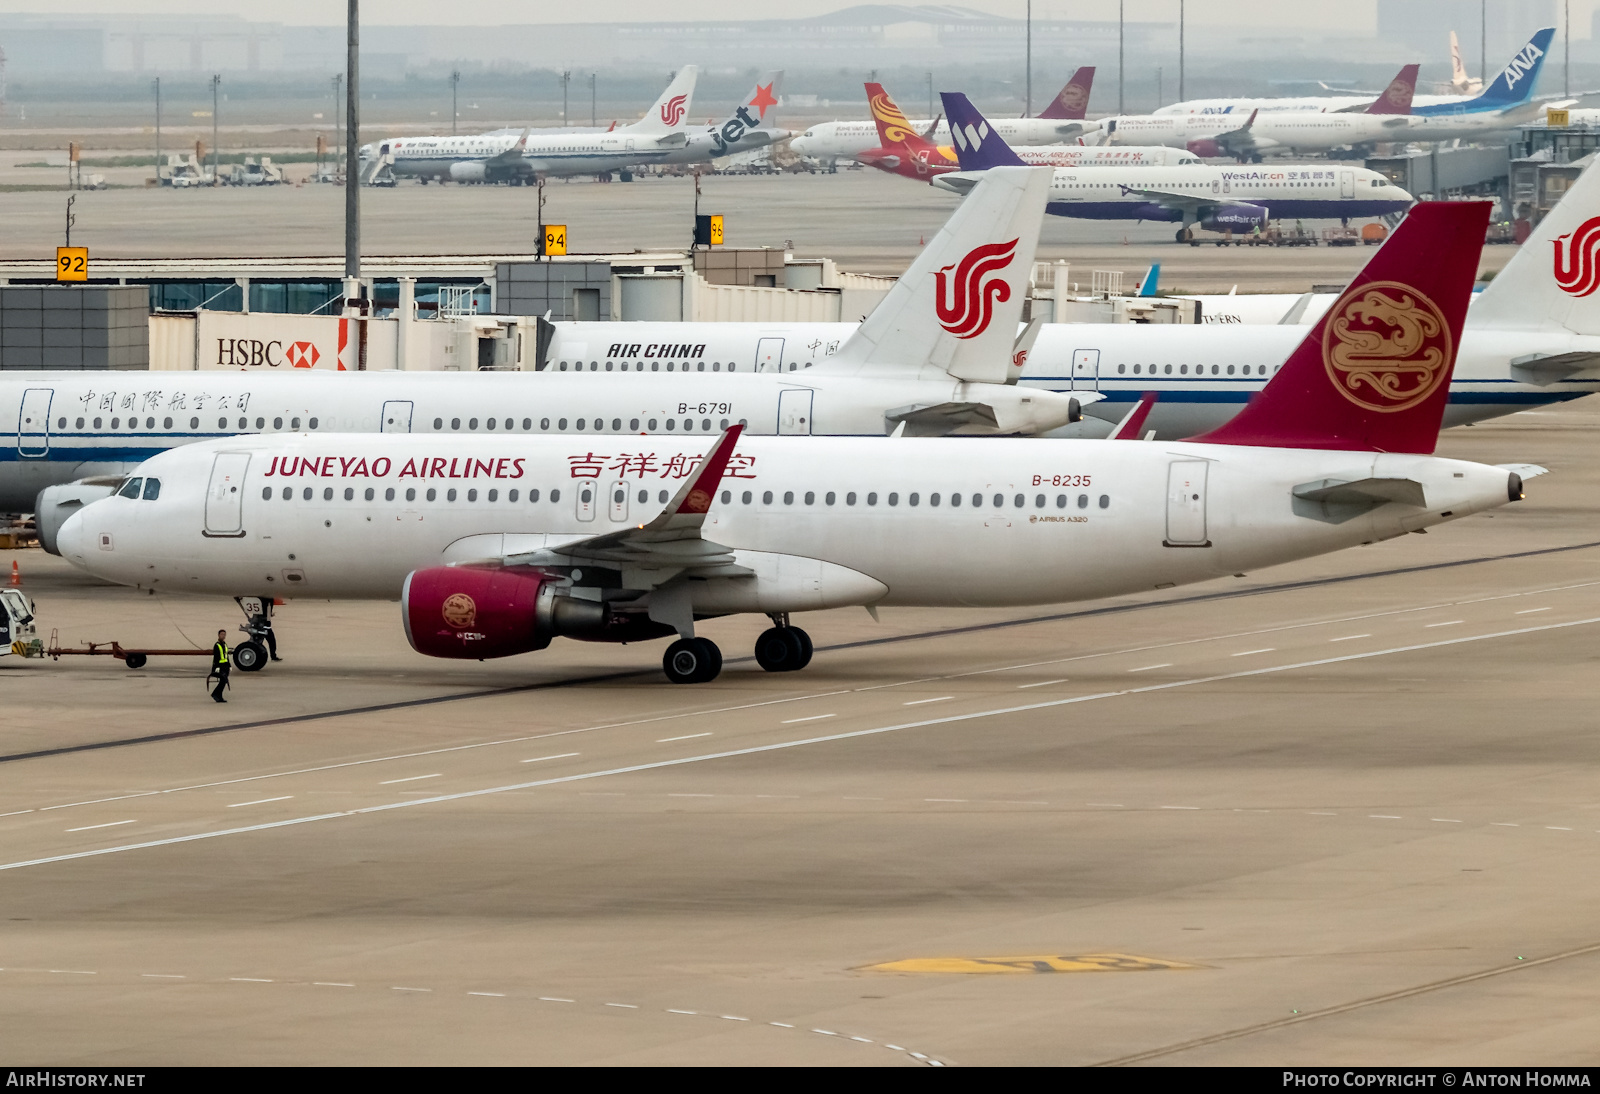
point(1356, 15)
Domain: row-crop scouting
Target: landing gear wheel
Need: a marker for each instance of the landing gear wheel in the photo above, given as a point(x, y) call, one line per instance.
point(134, 660)
point(692, 661)
point(249, 656)
point(783, 649)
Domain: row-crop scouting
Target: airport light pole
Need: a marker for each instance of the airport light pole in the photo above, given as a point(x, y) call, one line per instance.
point(930, 94)
point(566, 78)
point(1027, 102)
point(352, 156)
point(594, 113)
point(1566, 49)
point(216, 179)
point(1483, 40)
point(338, 142)
point(455, 82)
point(158, 130)
point(1120, 109)
point(1180, 50)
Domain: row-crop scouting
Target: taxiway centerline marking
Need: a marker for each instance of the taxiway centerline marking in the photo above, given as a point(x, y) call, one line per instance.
point(779, 746)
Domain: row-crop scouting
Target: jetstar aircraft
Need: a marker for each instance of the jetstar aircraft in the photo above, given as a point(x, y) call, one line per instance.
point(1216, 198)
point(504, 157)
point(497, 545)
point(903, 152)
point(1532, 339)
point(829, 142)
point(935, 357)
point(751, 125)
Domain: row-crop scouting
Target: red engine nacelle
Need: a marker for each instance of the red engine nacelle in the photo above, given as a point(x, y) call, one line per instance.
point(481, 612)
point(1206, 147)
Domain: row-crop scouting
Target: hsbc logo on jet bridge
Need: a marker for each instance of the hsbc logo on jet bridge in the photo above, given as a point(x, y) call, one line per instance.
point(1522, 64)
point(265, 353)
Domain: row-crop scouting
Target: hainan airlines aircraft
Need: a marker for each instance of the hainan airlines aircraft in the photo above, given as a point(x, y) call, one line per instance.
point(1215, 198)
point(504, 156)
point(935, 357)
point(903, 152)
point(828, 142)
point(495, 546)
point(1385, 119)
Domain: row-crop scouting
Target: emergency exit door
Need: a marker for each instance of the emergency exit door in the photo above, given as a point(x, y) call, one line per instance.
point(794, 412)
point(585, 499)
point(1186, 504)
point(33, 422)
point(769, 355)
point(225, 495)
point(397, 416)
point(1086, 370)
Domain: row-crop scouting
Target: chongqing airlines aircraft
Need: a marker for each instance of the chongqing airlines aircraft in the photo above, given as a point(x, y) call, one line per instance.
point(935, 357)
point(504, 157)
point(828, 142)
point(903, 152)
point(1532, 339)
point(495, 546)
point(1215, 198)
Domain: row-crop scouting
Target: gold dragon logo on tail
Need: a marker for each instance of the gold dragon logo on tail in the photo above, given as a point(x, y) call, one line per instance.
point(1386, 346)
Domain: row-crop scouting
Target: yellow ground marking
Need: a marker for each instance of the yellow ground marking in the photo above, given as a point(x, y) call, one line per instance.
point(1050, 962)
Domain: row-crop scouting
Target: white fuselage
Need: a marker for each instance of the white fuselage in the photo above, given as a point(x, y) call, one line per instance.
point(1308, 132)
point(892, 521)
point(1239, 109)
point(1203, 374)
point(1154, 193)
point(843, 140)
point(60, 427)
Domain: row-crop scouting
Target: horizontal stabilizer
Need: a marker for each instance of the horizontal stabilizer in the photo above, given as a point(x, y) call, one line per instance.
point(1547, 369)
point(941, 419)
point(1526, 470)
point(1363, 492)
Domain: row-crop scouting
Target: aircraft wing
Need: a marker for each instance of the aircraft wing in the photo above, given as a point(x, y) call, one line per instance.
point(654, 553)
point(1171, 199)
point(514, 153)
point(1069, 129)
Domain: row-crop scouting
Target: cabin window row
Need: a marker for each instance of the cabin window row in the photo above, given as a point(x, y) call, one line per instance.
point(194, 423)
point(596, 425)
point(955, 500)
point(638, 366)
point(1199, 370)
point(309, 493)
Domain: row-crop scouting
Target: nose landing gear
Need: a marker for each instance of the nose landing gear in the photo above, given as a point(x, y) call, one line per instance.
point(253, 653)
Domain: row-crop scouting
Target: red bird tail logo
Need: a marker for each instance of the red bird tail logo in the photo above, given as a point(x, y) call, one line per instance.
point(1576, 270)
point(965, 300)
point(672, 110)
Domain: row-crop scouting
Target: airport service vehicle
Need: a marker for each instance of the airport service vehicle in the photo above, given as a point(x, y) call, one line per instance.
point(1215, 198)
point(1532, 339)
point(903, 152)
point(1385, 119)
point(935, 357)
point(497, 545)
point(503, 157)
point(829, 142)
point(18, 635)
point(1514, 86)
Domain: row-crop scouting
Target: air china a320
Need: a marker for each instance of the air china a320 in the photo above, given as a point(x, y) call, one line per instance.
point(497, 545)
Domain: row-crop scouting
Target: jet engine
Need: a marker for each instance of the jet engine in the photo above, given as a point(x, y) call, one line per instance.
point(1205, 147)
point(1240, 216)
point(467, 172)
point(478, 612)
point(56, 503)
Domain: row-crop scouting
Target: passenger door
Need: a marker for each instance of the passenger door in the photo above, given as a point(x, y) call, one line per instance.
point(794, 412)
point(33, 422)
point(225, 495)
point(1347, 183)
point(769, 355)
point(397, 416)
point(1085, 370)
point(1186, 504)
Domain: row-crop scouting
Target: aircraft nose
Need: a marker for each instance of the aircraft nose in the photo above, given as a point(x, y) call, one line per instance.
point(70, 537)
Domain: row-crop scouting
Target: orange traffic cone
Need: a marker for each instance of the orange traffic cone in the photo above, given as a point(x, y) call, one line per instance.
point(16, 575)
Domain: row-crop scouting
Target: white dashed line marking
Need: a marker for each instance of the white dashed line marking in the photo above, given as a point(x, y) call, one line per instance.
point(18, 813)
point(73, 972)
point(162, 976)
point(410, 989)
point(1180, 807)
point(825, 1032)
point(1105, 805)
point(1444, 820)
point(1249, 653)
point(812, 718)
point(624, 1006)
point(1147, 668)
point(1349, 637)
point(1041, 684)
point(558, 756)
point(1315, 814)
point(863, 1040)
point(947, 800)
point(1530, 611)
point(489, 994)
point(1504, 824)
point(330, 984)
point(919, 702)
point(671, 1010)
point(1447, 623)
point(781, 1025)
point(1556, 828)
point(733, 1018)
point(98, 801)
point(555, 999)
point(685, 737)
point(108, 824)
point(412, 779)
point(248, 980)
point(1383, 816)
point(260, 801)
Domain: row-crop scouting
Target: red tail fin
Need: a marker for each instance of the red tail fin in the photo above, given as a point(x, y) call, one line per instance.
point(1132, 425)
point(1072, 101)
point(1396, 98)
point(894, 131)
point(1373, 374)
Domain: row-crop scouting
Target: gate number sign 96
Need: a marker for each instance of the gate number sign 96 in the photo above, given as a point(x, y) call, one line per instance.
point(72, 263)
point(1061, 480)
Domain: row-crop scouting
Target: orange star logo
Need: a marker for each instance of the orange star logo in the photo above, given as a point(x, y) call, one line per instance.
point(763, 99)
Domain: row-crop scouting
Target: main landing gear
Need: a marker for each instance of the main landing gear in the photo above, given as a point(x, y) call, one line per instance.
point(781, 648)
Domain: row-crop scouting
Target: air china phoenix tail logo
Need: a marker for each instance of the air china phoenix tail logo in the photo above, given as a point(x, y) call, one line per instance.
point(965, 299)
point(1386, 346)
point(673, 109)
point(1577, 270)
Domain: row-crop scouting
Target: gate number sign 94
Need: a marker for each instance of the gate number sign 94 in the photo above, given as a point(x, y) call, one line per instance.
point(72, 263)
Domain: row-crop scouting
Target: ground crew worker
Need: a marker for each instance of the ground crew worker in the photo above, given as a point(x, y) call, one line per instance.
point(220, 666)
point(270, 639)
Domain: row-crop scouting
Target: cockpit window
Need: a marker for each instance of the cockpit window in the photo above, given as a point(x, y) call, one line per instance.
point(152, 489)
point(130, 489)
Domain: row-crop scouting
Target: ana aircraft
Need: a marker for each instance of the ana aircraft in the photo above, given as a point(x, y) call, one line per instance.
point(933, 358)
point(1215, 198)
point(495, 546)
point(828, 142)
